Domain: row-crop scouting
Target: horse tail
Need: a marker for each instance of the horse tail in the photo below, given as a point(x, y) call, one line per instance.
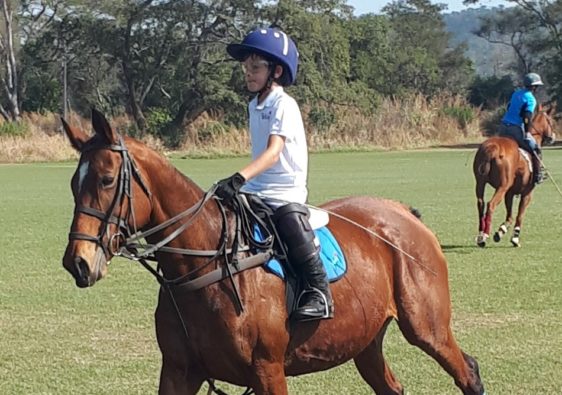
point(415, 212)
point(484, 157)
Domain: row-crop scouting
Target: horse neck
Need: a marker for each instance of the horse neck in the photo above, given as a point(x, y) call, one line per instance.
point(173, 193)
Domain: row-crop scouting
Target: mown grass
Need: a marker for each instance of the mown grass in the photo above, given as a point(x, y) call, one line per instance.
point(58, 339)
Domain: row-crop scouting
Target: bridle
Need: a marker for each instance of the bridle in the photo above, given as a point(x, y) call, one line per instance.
point(544, 138)
point(129, 242)
point(131, 238)
point(124, 192)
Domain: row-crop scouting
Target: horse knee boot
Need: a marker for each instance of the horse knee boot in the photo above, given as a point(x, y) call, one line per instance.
point(315, 302)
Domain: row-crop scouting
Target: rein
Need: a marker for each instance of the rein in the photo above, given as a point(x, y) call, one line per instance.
point(544, 139)
point(133, 238)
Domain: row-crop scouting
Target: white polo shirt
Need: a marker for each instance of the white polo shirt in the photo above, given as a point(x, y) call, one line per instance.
point(279, 114)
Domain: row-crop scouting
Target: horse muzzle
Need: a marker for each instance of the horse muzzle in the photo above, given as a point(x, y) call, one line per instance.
point(86, 272)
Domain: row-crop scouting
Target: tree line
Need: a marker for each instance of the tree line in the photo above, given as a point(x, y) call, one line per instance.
point(164, 62)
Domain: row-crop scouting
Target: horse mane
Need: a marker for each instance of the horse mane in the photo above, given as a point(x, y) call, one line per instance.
point(144, 153)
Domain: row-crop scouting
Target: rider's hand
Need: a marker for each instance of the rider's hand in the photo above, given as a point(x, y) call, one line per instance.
point(229, 187)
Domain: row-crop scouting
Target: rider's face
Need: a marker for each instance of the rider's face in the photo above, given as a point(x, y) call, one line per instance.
point(256, 72)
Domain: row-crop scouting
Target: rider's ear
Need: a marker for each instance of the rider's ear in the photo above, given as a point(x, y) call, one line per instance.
point(102, 127)
point(76, 136)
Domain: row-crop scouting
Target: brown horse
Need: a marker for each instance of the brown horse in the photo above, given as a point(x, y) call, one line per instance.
point(121, 185)
point(500, 163)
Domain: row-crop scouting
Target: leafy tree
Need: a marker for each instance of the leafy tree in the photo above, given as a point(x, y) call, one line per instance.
point(533, 30)
point(422, 59)
point(321, 31)
point(490, 92)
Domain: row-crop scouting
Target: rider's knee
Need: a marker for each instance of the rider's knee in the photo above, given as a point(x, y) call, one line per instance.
point(295, 231)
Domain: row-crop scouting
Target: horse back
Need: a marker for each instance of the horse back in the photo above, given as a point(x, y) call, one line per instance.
point(393, 259)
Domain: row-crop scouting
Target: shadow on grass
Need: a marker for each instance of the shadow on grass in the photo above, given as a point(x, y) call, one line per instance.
point(469, 248)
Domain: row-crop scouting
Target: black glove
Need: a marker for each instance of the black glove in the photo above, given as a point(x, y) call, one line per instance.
point(229, 187)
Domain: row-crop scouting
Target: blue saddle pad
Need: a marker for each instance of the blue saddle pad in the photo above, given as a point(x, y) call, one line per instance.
point(330, 253)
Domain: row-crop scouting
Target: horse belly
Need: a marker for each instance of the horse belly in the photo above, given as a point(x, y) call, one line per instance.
point(363, 303)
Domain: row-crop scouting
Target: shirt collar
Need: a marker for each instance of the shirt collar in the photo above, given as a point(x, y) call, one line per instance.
point(269, 100)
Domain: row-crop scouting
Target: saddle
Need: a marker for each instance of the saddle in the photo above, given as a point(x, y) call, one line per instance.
point(256, 233)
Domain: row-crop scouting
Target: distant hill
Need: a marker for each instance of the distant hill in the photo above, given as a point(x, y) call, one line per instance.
point(489, 59)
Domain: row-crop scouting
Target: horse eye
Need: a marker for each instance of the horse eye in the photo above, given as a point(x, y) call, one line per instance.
point(107, 181)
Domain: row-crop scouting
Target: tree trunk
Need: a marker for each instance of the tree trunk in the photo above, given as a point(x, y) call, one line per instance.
point(9, 81)
point(188, 112)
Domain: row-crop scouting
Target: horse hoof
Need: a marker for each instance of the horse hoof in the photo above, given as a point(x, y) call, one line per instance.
point(515, 242)
point(481, 240)
point(497, 237)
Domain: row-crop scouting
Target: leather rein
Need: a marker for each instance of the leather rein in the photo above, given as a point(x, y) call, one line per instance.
point(134, 247)
point(129, 241)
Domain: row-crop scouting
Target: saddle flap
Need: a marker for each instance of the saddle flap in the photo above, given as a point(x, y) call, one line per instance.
point(527, 157)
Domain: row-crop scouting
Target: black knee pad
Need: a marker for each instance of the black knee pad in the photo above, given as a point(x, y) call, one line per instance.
point(295, 231)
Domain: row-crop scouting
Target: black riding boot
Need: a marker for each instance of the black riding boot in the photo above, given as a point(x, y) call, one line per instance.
point(538, 176)
point(316, 301)
point(294, 229)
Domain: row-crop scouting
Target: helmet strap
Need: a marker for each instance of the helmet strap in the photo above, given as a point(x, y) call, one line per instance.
point(267, 87)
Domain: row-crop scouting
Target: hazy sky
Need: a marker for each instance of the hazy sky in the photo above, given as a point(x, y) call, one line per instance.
point(365, 6)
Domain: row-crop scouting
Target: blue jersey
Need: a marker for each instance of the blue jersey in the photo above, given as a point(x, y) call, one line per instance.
point(521, 101)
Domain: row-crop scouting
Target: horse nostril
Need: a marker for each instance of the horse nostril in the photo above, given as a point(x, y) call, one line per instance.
point(82, 269)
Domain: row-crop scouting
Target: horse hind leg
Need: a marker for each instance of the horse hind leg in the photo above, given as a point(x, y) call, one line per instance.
point(424, 318)
point(442, 346)
point(482, 236)
point(373, 368)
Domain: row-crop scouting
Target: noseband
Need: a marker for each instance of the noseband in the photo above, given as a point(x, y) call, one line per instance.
point(124, 191)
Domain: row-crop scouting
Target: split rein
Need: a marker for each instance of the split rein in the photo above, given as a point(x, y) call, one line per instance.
point(132, 245)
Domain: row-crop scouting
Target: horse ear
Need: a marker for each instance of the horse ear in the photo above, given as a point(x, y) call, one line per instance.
point(76, 136)
point(101, 127)
point(552, 108)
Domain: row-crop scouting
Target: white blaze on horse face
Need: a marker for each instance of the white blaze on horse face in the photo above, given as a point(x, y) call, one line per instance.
point(82, 172)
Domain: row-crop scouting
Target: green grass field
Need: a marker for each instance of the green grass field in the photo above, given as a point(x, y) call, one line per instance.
point(58, 339)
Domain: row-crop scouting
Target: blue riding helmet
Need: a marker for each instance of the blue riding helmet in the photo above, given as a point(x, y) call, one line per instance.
point(272, 44)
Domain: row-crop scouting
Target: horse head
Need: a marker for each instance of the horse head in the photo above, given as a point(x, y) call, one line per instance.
point(543, 124)
point(105, 213)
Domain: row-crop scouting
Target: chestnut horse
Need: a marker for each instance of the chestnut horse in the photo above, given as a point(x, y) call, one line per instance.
point(121, 186)
point(500, 163)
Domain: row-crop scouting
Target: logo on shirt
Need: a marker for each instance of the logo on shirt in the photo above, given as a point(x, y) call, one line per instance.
point(265, 116)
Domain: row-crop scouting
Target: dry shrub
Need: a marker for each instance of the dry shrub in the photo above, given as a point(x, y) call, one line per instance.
point(208, 137)
point(410, 122)
point(36, 147)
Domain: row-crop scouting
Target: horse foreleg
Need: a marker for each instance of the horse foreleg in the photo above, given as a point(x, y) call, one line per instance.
point(176, 379)
point(523, 204)
point(504, 228)
point(374, 369)
point(270, 378)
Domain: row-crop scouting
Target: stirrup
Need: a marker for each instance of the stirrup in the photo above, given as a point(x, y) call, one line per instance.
point(303, 316)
